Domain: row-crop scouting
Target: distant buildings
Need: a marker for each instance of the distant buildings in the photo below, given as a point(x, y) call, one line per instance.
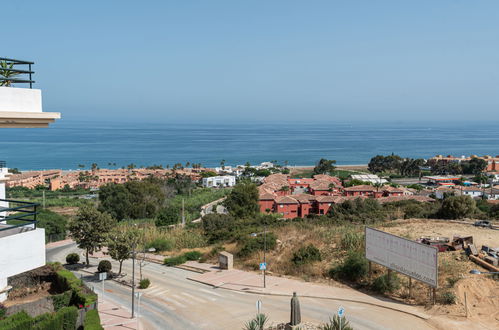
point(492, 162)
point(219, 181)
point(299, 197)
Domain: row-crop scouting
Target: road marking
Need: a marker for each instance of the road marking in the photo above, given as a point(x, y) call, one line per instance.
point(211, 292)
point(172, 301)
point(201, 300)
point(158, 291)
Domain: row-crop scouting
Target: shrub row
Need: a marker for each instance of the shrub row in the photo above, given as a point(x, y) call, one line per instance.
point(178, 260)
point(80, 295)
point(64, 319)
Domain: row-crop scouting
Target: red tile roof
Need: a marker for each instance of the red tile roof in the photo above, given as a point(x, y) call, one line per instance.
point(285, 200)
point(364, 187)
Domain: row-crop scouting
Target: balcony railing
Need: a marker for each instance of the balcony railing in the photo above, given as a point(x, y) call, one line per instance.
point(18, 214)
point(10, 69)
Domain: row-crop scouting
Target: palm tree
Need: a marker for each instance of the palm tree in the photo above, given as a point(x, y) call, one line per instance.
point(6, 73)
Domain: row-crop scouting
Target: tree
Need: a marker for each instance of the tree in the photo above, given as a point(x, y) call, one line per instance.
point(121, 243)
point(474, 166)
point(167, 216)
point(242, 201)
point(94, 166)
point(90, 228)
point(457, 207)
point(217, 226)
point(324, 166)
point(6, 73)
point(390, 163)
point(54, 223)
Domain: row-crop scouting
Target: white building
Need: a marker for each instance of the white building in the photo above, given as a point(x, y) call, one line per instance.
point(492, 194)
point(22, 246)
point(372, 178)
point(219, 181)
point(473, 192)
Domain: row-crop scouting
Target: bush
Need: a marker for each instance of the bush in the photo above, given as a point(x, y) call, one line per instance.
point(457, 207)
point(18, 321)
point(174, 261)
point(253, 244)
point(353, 268)
point(160, 244)
point(448, 298)
point(217, 227)
point(383, 285)
point(144, 283)
point(307, 254)
point(72, 258)
point(167, 216)
point(80, 294)
point(104, 266)
point(3, 311)
point(193, 255)
point(351, 240)
point(61, 300)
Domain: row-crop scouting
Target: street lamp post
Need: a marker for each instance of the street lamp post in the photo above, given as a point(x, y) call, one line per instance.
point(264, 254)
point(133, 282)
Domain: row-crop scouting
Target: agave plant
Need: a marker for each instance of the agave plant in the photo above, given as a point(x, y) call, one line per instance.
point(258, 323)
point(336, 323)
point(6, 73)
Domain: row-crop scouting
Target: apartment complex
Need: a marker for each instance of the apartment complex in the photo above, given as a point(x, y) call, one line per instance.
point(492, 162)
point(299, 197)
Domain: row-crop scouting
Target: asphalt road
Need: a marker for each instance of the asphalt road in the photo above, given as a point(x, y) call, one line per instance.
point(174, 302)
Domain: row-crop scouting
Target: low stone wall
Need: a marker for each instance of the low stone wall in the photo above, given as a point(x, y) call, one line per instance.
point(33, 308)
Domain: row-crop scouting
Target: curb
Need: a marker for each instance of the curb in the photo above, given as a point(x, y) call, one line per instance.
point(425, 318)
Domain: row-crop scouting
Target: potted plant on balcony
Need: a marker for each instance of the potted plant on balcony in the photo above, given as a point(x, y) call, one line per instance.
point(6, 73)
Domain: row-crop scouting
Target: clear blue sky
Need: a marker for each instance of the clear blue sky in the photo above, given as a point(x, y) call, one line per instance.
point(186, 60)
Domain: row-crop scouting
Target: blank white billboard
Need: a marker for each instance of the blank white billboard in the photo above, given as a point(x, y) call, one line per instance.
point(410, 258)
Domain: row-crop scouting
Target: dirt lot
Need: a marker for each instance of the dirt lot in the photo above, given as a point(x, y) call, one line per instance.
point(414, 229)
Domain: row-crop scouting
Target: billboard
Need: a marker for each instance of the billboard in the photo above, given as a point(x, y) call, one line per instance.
point(410, 258)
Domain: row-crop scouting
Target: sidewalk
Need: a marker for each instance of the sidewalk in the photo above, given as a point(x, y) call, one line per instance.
point(113, 316)
point(251, 282)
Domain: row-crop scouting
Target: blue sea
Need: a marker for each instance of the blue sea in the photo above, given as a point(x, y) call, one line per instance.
point(66, 144)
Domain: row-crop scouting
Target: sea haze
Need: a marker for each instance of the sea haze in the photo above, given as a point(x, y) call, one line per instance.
point(66, 144)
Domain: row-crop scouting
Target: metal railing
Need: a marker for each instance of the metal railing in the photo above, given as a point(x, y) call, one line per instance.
point(9, 68)
point(17, 214)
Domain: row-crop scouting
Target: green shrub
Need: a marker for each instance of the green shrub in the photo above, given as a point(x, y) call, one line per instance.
point(448, 298)
point(351, 240)
point(174, 261)
point(104, 266)
point(383, 285)
point(72, 258)
point(353, 268)
point(61, 300)
point(80, 294)
point(253, 244)
point(18, 321)
point(193, 255)
point(307, 254)
point(92, 320)
point(3, 311)
point(144, 283)
point(160, 244)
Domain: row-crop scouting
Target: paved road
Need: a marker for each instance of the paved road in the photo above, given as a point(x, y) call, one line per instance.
point(174, 302)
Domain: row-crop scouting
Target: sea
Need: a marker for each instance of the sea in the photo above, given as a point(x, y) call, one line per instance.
point(67, 144)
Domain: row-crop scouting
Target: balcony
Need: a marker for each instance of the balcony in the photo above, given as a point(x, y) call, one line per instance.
point(17, 217)
point(22, 244)
point(21, 107)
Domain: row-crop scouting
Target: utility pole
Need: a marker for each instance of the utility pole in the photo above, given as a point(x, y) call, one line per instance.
point(43, 199)
point(183, 214)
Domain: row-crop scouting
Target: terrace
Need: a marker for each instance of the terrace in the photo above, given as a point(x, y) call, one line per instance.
point(19, 217)
point(21, 107)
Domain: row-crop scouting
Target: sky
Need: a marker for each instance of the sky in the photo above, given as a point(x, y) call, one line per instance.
point(216, 61)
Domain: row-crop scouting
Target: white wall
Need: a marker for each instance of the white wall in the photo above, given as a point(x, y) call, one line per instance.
point(21, 252)
point(20, 99)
